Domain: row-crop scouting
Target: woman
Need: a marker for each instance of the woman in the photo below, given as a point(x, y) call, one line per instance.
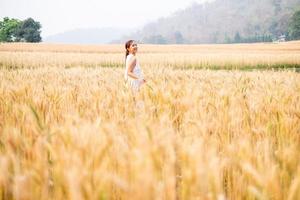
point(133, 73)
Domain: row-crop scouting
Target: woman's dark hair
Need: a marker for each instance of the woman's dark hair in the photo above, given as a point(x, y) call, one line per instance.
point(127, 45)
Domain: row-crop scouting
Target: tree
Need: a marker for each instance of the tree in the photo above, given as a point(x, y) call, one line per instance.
point(8, 28)
point(277, 6)
point(178, 37)
point(14, 30)
point(227, 39)
point(29, 30)
point(294, 26)
point(237, 37)
point(199, 22)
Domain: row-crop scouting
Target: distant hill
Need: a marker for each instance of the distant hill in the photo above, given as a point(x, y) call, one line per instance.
point(220, 21)
point(88, 36)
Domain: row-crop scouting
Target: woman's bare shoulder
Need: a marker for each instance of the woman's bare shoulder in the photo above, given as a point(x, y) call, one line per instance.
point(131, 57)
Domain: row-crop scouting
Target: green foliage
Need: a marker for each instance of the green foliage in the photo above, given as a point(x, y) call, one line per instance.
point(237, 37)
point(8, 28)
point(173, 38)
point(277, 6)
point(294, 26)
point(250, 39)
point(178, 38)
point(218, 22)
point(227, 39)
point(14, 30)
point(29, 30)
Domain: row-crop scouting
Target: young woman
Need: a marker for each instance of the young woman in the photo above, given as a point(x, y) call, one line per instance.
point(133, 73)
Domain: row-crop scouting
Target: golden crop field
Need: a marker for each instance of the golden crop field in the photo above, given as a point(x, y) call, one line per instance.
point(70, 129)
point(225, 56)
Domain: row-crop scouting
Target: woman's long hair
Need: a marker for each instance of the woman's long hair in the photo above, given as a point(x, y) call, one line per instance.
point(127, 45)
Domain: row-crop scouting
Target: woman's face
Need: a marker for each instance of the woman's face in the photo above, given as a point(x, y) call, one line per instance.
point(133, 48)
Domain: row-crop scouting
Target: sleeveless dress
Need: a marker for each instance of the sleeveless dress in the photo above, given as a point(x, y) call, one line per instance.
point(134, 84)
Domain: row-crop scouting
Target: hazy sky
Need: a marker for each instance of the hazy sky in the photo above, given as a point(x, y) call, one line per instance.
point(61, 15)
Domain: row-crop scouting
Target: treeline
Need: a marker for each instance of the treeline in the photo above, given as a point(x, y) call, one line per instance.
point(291, 33)
point(177, 38)
point(225, 21)
point(251, 39)
point(14, 30)
point(294, 27)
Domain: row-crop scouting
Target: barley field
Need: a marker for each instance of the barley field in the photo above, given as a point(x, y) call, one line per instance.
point(70, 129)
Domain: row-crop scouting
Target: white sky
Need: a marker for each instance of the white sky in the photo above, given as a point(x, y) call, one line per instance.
point(60, 15)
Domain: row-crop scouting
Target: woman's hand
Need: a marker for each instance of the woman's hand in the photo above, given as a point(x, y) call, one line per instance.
point(142, 81)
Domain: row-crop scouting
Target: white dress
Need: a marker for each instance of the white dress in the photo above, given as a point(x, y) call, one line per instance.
point(135, 84)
